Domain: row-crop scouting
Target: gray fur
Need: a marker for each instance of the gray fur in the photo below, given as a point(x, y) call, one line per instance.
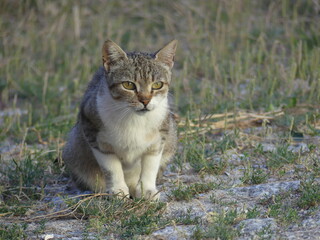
point(142, 69)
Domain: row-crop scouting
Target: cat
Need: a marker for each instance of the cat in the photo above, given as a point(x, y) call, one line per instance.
point(125, 132)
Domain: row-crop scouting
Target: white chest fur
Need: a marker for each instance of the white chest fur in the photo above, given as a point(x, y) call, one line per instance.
point(129, 133)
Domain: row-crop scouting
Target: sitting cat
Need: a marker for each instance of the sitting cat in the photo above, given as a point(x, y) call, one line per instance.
point(125, 133)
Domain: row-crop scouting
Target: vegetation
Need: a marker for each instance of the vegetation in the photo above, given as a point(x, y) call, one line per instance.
point(189, 192)
point(246, 85)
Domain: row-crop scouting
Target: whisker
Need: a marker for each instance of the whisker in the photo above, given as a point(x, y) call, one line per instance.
point(124, 114)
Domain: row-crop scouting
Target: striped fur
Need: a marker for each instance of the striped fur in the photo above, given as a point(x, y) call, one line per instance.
point(124, 138)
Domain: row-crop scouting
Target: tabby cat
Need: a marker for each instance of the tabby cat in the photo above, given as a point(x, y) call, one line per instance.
point(125, 133)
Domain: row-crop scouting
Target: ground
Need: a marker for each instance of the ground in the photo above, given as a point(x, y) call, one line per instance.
point(245, 86)
point(244, 183)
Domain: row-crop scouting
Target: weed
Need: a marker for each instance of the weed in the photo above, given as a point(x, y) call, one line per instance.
point(122, 217)
point(254, 176)
point(253, 213)
point(315, 165)
point(41, 228)
point(12, 231)
point(14, 207)
point(283, 208)
point(258, 149)
point(281, 157)
point(220, 202)
point(188, 219)
point(228, 60)
point(227, 142)
point(265, 233)
point(188, 192)
point(310, 194)
point(27, 176)
point(222, 227)
point(198, 233)
point(200, 155)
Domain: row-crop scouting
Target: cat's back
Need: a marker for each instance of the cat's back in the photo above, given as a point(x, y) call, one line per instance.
point(93, 85)
point(88, 115)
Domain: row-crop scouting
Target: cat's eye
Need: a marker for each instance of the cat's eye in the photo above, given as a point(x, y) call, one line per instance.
point(129, 85)
point(157, 85)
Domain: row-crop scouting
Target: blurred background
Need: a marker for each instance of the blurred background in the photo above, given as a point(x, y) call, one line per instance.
point(232, 55)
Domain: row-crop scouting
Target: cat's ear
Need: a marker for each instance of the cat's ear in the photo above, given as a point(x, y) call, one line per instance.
point(112, 54)
point(166, 54)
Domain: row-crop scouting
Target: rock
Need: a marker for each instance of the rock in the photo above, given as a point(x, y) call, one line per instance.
point(312, 222)
point(60, 229)
point(265, 228)
point(267, 147)
point(48, 236)
point(233, 156)
point(301, 234)
point(173, 233)
point(265, 190)
point(299, 148)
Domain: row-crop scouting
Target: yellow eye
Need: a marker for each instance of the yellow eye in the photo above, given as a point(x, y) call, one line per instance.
point(129, 85)
point(157, 85)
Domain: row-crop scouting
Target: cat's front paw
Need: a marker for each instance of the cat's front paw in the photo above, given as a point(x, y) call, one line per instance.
point(120, 191)
point(149, 193)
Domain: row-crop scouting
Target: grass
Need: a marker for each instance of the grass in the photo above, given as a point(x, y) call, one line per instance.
point(288, 207)
point(122, 218)
point(242, 79)
point(14, 231)
point(188, 192)
point(254, 176)
point(199, 152)
point(223, 226)
point(310, 194)
point(281, 157)
point(27, 175)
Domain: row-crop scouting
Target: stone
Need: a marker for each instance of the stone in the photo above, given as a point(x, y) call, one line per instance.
point(265, 228)
point(266, 190)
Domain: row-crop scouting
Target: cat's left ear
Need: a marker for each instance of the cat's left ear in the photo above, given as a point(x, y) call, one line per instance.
point(166, 54)
point(112, 54)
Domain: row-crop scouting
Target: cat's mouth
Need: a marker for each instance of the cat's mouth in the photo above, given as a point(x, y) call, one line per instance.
point(143, 110)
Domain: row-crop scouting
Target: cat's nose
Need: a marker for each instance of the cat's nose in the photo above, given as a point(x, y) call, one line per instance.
point(145, 101)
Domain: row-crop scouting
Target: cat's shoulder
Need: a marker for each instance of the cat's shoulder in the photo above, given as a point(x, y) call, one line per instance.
point(97, 77)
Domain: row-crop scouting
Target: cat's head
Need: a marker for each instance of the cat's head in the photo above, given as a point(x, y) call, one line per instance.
point(138, 80)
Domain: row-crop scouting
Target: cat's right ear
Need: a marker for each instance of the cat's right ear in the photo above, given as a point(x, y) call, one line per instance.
point(112, 54)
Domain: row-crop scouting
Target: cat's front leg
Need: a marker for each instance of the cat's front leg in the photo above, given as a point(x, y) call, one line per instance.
point(111, 164)
point(149, 169)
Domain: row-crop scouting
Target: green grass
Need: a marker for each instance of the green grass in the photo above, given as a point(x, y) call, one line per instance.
point(248, 56)
point(125, 218)
point(238, 59)
point(288, 207)
point(281, 157)
point(122, 217)
point(222, 226)
point(188, 192)
point(254, 176)
point(310, 194)
point(200, 151)
point(13, 231)
point(27, 175)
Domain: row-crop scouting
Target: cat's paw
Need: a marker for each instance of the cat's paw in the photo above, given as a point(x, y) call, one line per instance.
point(149, 193)
point(119, 191)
